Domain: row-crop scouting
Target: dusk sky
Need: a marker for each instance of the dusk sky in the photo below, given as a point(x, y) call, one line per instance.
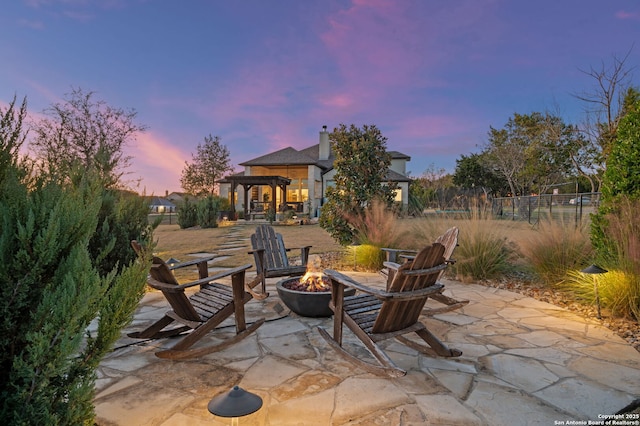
point(264, 75)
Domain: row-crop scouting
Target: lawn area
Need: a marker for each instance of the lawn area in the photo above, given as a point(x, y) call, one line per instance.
point(179, 243)
point(417, 232)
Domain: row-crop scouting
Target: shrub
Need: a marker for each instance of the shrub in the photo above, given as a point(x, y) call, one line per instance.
point(208, 210)
point(52, 291)
point(619, 288)
point(483, 253)
point(555, 249)
point(367, 257)
point(270, 215)
point(123, 217)
point(187, 214)
point(619, 291)
point(621, 178)
point(64, 262)
point(375, 228)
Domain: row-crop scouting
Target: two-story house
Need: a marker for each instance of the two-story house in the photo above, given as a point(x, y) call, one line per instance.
point(297, 180)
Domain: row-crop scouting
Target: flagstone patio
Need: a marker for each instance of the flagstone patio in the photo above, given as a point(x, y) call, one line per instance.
point(524, 362)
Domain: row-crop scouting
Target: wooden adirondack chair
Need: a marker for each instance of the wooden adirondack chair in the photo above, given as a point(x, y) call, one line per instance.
point(201, 312)
point(378, 315)
point(270, 256)
point(450, 241)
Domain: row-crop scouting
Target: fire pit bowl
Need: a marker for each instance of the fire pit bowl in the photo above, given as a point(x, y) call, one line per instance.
point(307, 303)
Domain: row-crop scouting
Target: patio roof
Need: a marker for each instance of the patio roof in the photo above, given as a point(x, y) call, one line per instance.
point(236, 180)
point(248, 181)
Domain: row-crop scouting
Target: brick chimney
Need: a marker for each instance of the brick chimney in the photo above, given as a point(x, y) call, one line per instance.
point(325, 146)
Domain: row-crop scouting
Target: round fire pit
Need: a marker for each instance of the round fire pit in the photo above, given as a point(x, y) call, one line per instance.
point(307, 303)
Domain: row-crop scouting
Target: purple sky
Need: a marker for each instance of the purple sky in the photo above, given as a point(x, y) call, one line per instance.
point(264, 75)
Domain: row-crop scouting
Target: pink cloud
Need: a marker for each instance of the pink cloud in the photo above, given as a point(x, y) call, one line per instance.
point(161, 161)
point(337, 100)
point(635, 16)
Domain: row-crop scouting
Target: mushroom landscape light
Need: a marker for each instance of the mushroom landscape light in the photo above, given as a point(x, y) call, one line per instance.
point(235, 403)
point(595, 270)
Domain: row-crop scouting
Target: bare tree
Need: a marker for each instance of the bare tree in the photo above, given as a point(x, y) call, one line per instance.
point(88, 133)
point(12, 133)
point(604, 106)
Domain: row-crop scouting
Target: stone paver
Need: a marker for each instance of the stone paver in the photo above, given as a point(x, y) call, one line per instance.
point(524, 362)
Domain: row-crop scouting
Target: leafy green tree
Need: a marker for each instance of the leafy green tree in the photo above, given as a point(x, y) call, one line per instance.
point(83, 133)
point(531, 152)
point(621, 180)
point(210, 162)
point(473, 172)
point(361, 165)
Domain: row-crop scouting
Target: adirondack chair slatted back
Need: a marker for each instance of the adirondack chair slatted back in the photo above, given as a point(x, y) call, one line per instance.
point(178, 300)
point(398, 314)
point(275, 255)
point(450, 241)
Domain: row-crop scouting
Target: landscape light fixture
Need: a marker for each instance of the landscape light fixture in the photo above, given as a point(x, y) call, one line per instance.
point(595, 270)
point(235, 403)
point(172, 262)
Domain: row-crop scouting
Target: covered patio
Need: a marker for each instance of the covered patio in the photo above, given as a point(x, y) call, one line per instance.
point(248, 182)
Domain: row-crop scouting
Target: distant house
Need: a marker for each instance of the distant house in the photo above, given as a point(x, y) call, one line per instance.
point(298, 180)
point(161, 205)
point(177, 197)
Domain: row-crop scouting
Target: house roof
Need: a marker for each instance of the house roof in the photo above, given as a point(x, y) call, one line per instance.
point(292, 157)
point(393, 176)
point(255, 180)
point(396, 155)
point(284, 157)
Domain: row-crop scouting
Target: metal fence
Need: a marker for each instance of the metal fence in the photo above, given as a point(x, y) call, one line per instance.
point(557, 207)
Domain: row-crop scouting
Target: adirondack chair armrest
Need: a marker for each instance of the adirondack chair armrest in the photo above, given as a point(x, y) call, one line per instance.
point(304, 248)
point(350, 282)
point(304, 254)
point(391, 265)
point(393, 254)
point(385, 295)
point(415, 294)
point(158, 285)
point(428, 271)
point(192, 262)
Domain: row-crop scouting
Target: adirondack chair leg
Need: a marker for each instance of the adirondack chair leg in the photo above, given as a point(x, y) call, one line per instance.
point(435, 344)
point(389, 369)
point(154, 331)
point(241, 328)
point(203, 330)
point(387, 366)
point(198, 352)
point(450, 305)
point(449, 300)
point(257, 280)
